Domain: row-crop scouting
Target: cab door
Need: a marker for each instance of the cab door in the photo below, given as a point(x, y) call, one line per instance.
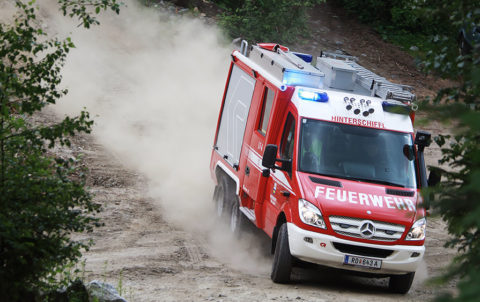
point(279, 185)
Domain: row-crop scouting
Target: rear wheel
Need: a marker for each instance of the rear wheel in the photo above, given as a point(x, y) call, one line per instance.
point(401, 284)
point(282, 260)
point(221, 198)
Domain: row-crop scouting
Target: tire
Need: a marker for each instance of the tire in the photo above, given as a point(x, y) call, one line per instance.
point(401, 284)
point(237, 220)
point(282, 259)
point(220, 199)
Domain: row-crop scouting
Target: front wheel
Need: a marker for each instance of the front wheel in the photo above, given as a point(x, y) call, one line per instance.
point(401, 284)
point(282, 260)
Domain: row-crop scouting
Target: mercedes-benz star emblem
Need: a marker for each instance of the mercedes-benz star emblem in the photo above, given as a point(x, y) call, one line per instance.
point(367, 229)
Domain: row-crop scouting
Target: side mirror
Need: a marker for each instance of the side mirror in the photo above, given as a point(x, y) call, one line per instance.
point(434, 177)
point(270, 156)
point(422, 139)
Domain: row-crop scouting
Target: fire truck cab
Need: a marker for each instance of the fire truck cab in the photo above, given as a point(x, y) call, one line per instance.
point(322, 157)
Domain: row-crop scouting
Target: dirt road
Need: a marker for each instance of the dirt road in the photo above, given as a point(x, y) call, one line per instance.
point(153, 83)
point(157, 261)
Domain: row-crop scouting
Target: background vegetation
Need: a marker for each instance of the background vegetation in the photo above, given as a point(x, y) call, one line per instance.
point(281, 21)
point(404, 22)
point(42, 197)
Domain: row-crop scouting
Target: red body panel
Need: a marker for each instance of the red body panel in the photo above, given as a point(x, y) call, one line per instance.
point(280, 192)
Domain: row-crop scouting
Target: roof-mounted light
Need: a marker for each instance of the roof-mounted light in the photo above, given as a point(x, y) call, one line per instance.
point(313, 96)
point(304, 56)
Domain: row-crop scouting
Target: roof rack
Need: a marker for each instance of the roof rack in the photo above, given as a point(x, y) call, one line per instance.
point(379, 86)
point(292, 68)
point(335, 55)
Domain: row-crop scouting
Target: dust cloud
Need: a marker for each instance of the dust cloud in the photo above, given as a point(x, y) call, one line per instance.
point(421, 275)
point(7, 11)
point(153, 83)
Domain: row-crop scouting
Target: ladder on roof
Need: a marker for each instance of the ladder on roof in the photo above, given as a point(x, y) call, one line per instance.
point(379, 86)
point(382, 87)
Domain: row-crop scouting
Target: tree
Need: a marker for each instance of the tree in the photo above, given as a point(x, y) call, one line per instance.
point(459, 193)
point(267, 20)
point(42, 197)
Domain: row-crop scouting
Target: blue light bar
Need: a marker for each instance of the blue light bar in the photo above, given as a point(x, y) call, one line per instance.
point(313, 96)
point(304, 56)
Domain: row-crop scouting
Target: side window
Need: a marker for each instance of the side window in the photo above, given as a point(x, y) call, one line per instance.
point(287, 142)
point(267, 103)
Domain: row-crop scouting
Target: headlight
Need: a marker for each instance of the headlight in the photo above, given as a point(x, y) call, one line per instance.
point(310, 214)
point(417, 232)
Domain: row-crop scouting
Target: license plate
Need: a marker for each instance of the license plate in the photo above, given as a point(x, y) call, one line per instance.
point(362, 261)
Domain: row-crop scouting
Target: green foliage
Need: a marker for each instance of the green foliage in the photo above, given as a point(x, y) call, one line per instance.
point(83, 9)
point(459, 196)
point(120, 288)
point(403, 22)
point(230, 4)
point(438, 24)
point(280, 21)
point(459, 193)
point(42, 197)
point(394, 15)
point(371, 10)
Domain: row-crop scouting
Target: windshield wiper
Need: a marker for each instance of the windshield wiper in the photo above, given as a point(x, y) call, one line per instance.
point(328, 175)
point(376, 181)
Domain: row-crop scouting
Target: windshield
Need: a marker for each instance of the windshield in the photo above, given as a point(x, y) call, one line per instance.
point(358, 153)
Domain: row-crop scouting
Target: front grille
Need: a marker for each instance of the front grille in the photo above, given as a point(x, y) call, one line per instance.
point(362, 250)
point(350, 226)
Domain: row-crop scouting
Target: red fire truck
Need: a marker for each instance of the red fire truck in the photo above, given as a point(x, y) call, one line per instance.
point(321, 154)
